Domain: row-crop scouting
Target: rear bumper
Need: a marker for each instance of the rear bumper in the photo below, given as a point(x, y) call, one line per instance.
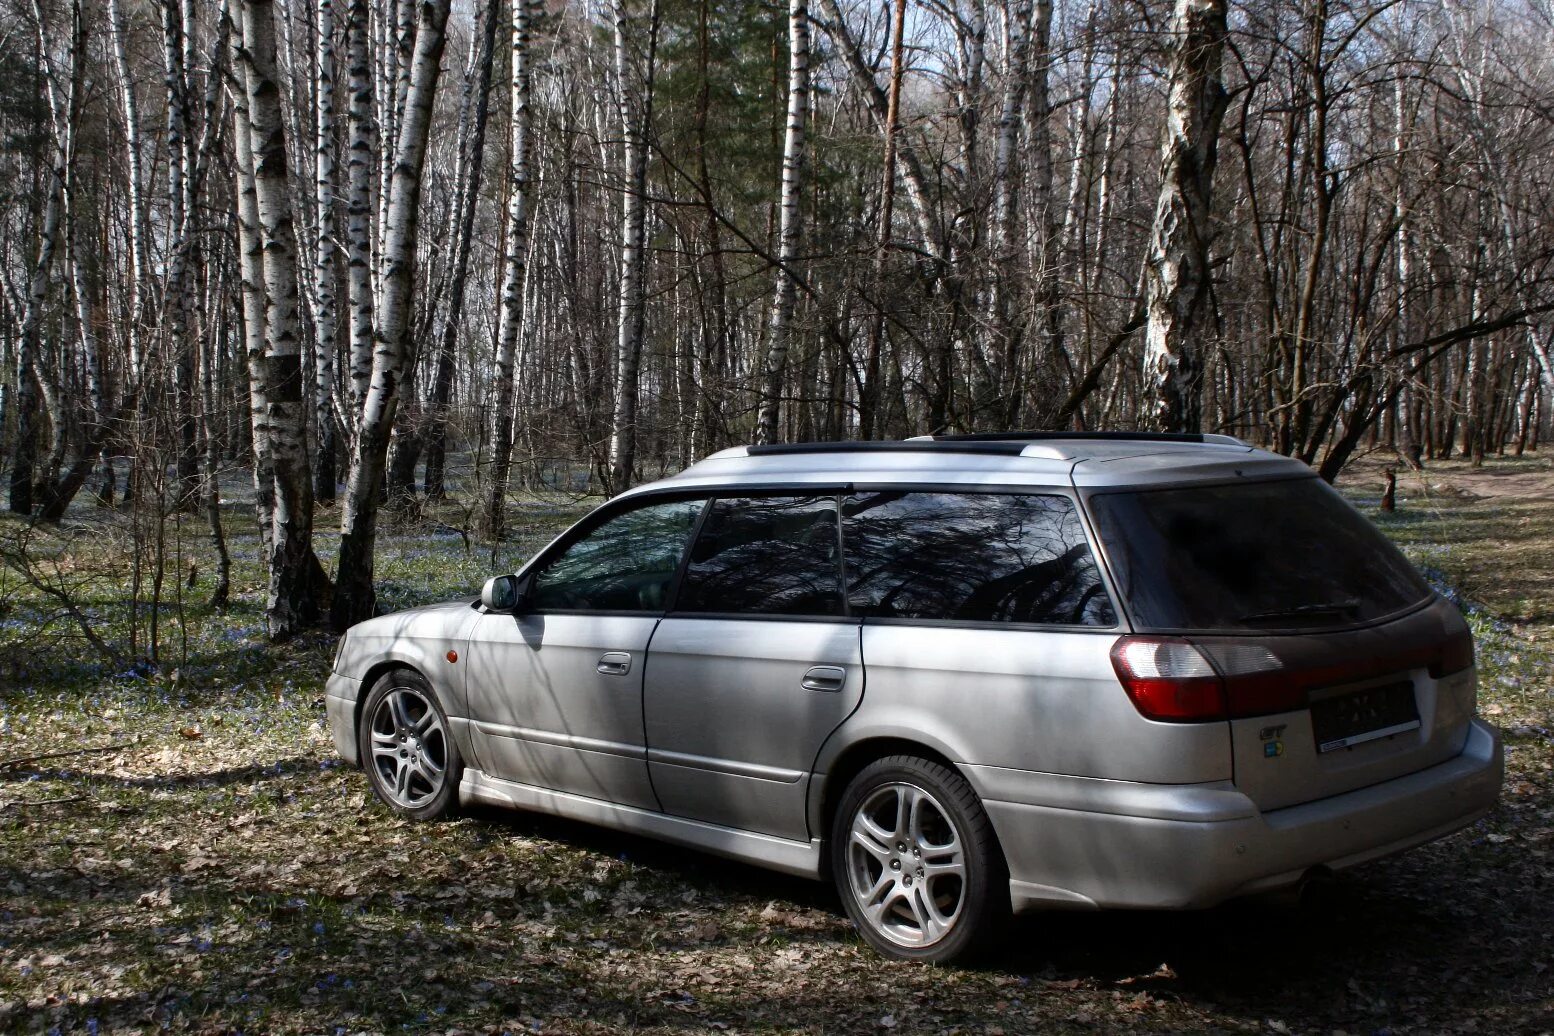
point(1161, 846)
point(340, 694)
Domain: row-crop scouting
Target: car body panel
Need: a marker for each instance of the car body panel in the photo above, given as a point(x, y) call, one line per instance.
point(543, 713)
point(779, 854)
point(1025, 699)
point(717, 692)
point(1277, 761)
point(417, 638)
point(1067, 857)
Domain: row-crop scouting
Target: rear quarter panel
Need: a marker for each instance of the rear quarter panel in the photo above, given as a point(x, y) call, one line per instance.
point(1021, 699)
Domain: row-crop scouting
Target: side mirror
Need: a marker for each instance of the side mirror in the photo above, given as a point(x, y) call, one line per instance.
point(501, 593)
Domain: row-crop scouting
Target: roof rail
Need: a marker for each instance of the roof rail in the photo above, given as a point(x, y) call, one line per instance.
point(997, 437)
point(999, 448)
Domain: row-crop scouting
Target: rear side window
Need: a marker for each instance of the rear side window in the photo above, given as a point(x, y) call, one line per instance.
point(972, 556)
point(765, 556)
point(1251, 556)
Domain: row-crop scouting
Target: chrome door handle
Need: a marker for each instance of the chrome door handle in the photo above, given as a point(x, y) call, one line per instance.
point(825, 678)
point(614, 663)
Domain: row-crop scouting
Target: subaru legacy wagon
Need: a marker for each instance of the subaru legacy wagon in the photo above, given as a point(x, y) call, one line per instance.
point(960, 677)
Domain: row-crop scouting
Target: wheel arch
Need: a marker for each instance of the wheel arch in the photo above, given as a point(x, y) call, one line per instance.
point(370, 678)
point(853, 759)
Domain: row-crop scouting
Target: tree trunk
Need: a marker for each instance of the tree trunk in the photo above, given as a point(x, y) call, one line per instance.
point(293, 599)
point(869, 393)
point(1177, 273)
point(355, 598)
point(636, 115)
point(467, 180)
point(24, 457)
point(139, 233)
point(789, 222)
point(514, 253)
point(250, 258)
point(358, 202)
point(325, 315)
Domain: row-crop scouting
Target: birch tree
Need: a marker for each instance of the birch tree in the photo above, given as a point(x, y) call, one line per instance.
point(1178, 274)
point(355, 597)
point(24, 451)
point(325, 321)
point(295, 577)
point(634, 104)
point(789, 225)
point(515, 252)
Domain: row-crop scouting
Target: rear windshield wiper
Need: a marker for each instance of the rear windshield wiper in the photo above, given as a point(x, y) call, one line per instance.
point(1342, 609)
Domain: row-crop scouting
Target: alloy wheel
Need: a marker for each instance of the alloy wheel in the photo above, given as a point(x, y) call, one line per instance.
point(409, 748)
point(906, 865)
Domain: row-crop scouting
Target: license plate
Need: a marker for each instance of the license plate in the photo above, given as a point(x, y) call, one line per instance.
point(1360, 716)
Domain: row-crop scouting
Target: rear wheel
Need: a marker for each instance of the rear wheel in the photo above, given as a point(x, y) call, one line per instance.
point(916, 861)
point(407, 749)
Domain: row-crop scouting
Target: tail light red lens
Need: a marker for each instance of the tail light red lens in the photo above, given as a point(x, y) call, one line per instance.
point(1169, 680)
point(1176, 681)
point(1456, 655)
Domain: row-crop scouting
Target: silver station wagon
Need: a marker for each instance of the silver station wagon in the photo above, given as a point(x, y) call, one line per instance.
point(961, 677)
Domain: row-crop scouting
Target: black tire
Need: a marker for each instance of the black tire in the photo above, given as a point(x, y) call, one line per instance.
point(912, 874)
point(407, 748)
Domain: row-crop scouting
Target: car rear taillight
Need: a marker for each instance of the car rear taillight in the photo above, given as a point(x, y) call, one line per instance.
point(1171, 680)
point(1456, 655)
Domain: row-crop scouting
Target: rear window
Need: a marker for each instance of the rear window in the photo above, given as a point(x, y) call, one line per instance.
point(1251, 556)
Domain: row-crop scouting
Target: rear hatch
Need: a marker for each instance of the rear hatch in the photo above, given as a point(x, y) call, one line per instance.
point(1298, 622)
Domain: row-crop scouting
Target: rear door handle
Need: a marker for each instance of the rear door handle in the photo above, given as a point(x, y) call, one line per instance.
point(614, 663)
point(825, 678)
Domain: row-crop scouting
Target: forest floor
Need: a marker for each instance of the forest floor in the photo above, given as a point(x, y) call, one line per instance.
point(198, 860)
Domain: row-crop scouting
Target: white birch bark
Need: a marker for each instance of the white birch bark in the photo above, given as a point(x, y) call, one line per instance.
point(358, 204)
point(635, 116)
point(293, 598)
point(1177, 272)
point(789, 221)
point(514, 267)
point(177, 293)
point(474, 111)
point(354, 597)
point(325, 314)
point(250, 260)
point(1003, 326)
point(24, 453)
point(139, 233)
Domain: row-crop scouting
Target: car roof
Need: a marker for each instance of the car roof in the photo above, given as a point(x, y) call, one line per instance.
point(1037, 459)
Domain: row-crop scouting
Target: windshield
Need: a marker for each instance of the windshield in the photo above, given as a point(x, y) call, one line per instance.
point(1251, 556)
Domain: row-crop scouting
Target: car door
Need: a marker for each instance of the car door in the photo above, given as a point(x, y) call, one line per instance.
point(756, 664)
point(555, 687)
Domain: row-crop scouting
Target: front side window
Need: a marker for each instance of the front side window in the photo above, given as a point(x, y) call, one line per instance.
point(626, 564)
point(765, 556)
point(980, 557)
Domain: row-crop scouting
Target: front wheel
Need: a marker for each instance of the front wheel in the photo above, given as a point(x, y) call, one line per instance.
point(917, 863)
point(407, 749)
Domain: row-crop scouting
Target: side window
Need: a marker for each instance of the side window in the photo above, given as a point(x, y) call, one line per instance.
point(626, 564)
point(765, 556)
point(981, 557)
